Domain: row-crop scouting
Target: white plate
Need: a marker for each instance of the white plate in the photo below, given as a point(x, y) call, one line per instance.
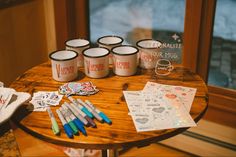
point(7, 111)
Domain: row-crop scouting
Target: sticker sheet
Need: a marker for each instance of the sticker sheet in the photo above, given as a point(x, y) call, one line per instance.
point(77, 88)
point(41, 100)
point(184, 94)
point(157, 110)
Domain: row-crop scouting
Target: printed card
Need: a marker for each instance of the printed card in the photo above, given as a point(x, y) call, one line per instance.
point(185, 94)
point(160, 107)
point(41, 100)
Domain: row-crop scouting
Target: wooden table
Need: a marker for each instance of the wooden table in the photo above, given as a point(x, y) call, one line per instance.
point(110, 100)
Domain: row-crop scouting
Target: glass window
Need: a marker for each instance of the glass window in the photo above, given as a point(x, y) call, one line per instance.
point(222, 69)
point(134, 20)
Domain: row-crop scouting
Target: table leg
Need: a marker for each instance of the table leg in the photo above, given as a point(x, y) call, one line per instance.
point(110, 153)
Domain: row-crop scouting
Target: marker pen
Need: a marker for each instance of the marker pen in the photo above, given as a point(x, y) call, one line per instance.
point(104, 117)
point(69, 121)
point(55, 127)
point(96, 115)
point(68, 130)
point(90, 121)
point(77, 112)
point(77, 122)
point(82, 108)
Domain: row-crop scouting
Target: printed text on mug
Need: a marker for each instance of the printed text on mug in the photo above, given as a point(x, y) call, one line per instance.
point(64, 70)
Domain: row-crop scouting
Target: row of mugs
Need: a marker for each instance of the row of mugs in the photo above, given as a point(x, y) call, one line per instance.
point(125, 58)
point(148, 49)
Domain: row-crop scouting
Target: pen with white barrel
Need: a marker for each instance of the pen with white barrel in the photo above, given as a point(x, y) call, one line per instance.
point(96, 115)
point(90, 121)
point(68, 130)
point(55, 127)
point(69, 121)
point(82, 108)
point(77, 122)
point(104, 117)
point(77, 112)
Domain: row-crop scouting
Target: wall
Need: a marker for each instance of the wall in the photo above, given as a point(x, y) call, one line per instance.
point(26, 37)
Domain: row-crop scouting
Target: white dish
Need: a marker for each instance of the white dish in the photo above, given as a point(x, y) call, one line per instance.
point(8, 110)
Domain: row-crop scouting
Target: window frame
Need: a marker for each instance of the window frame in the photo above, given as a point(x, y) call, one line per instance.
point(71, 18)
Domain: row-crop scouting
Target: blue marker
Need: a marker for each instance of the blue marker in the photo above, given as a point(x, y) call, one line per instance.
point(90, 121)
point(68, 130)
point(104, 117)
point(82, 108)
point(77, 122)
point(55, 127)
point(69, 121)
point(96, 115)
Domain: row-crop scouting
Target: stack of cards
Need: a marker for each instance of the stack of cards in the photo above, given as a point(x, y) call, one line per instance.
point(160, 106)
point(41, 100)
point(76, 88)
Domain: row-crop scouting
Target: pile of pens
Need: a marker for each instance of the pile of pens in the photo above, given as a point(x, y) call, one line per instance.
point(75, 115)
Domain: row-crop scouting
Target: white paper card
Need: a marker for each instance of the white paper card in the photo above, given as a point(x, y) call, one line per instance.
point(185, 94)
point(41, 100)
point(157, 107)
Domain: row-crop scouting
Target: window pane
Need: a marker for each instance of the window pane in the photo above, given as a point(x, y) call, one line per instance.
point(222, 70)
point(138, 19)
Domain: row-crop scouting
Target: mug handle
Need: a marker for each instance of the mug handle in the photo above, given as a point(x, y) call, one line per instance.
point(162, 74)
point(170, 68)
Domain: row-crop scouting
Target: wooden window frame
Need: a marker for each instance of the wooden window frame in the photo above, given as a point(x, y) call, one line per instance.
point(199, 22)
point(71, 20)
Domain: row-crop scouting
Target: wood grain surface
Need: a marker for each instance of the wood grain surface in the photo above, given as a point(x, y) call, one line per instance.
point(110, 100)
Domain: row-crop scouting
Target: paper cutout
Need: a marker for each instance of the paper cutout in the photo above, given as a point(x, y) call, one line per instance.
point(41, 100)
point(76, 88)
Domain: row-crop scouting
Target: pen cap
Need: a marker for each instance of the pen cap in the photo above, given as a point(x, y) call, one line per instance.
point(80, 126)
point(68, 130)
point(73, 127)
point(105, 118)
point(55, 127)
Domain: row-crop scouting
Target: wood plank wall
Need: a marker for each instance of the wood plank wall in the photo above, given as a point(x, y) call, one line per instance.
point(24, 37)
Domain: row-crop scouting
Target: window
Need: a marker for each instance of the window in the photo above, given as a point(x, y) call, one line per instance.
point(134, 20)
point(222, 69)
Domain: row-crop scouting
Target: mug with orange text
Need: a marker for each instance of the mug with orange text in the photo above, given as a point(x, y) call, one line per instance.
point(109, 42)
point(149, 50)
point(96, 62)
point(64, 65)
point(78, 45)
point(125, 60)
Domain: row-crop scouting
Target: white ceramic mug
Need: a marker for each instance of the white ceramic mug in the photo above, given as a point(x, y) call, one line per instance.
point(96, 62)
point(78, 45)
point(149, 50)
point(64, 65)
point(109, 42)
point(125, 60)
point(163, 67)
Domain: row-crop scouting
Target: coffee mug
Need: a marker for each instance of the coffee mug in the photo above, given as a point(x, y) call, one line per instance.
point(125, 60)
point(163, 67)
point(96, 62)
point(149, 50)
point(109, 42)
point(78, 45)
point(64, 65)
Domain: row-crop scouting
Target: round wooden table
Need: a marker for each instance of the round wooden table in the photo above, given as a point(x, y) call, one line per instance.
point(110, 100)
